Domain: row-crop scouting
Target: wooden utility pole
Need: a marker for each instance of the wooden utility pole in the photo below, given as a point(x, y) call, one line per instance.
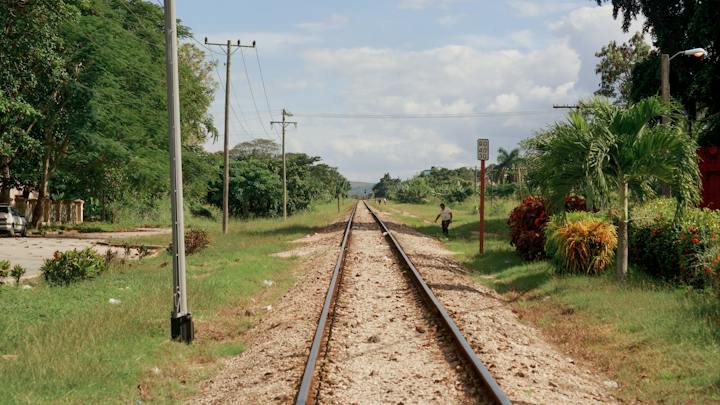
point(181, 325)
point(284, 125)
point(226, 149)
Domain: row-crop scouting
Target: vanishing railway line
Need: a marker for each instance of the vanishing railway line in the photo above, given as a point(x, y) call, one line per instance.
point(383, 336)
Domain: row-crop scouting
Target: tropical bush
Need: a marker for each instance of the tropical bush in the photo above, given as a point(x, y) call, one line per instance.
point(575, 203)
point(4, 267)
point(526, 222)
point(71, 266)
point(17, 272)
point(654, 238)
point(580, 242)
point(677, 251)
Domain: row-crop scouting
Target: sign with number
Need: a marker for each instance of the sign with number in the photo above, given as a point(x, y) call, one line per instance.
point(483, 149)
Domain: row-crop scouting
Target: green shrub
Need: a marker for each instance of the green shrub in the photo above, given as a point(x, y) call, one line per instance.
point(526, 222)
point(654, 239)
point(71, 266)
point(17, 272)
point(580, 242)
point(674, 251)
point(4, 267)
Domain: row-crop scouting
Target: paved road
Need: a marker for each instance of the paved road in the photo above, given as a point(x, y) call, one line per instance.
point(32, 252)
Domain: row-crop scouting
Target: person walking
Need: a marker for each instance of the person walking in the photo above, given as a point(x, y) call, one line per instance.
point(446, 215)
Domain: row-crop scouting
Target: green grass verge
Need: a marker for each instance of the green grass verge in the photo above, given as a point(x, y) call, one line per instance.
point(660, 342)
point(69, 345)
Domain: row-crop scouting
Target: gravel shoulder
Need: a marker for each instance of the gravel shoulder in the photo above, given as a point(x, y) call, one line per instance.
point(527, 368)
point(269, 370)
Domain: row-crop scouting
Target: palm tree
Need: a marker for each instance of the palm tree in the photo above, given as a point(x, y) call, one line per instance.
point(506, 162)
point(607, 147)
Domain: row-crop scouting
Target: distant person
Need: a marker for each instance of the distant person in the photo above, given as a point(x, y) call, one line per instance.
point(446, 215)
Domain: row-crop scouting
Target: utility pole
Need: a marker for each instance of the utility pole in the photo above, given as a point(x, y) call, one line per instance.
point(284, 124)
point(665, 81)
point(226, 153)
point(181, 326)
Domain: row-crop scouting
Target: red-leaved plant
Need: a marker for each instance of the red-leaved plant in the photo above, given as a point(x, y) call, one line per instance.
point(526, 223)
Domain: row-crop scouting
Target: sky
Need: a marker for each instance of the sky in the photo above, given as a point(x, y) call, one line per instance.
point(499, 65)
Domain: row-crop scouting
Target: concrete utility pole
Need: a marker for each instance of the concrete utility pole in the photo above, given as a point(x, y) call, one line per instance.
point(284, 124)
point(181, 326)
point(665, 81)
point(226, 154)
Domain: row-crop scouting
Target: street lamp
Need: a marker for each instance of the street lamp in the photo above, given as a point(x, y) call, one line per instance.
point(665, 69)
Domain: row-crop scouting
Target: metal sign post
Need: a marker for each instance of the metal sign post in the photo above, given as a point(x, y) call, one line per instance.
point(483, 153)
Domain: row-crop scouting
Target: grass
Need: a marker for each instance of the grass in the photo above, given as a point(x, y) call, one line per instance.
point(69, 345)
point(661, 343)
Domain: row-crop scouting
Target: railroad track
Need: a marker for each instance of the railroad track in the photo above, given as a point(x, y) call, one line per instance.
point(382, 334)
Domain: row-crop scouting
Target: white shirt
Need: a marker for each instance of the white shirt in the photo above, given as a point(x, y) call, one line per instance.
point(446, 214)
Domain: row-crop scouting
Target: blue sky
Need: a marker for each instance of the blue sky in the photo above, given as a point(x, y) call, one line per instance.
point(509, 60)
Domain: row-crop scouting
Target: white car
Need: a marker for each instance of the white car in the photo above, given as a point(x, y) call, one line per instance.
point(12, 221)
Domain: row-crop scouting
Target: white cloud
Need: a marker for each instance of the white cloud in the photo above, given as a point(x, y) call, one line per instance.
point(334, 22)
point(448, 20)
point(587, 29)
point(423, 4)
point(536, 8)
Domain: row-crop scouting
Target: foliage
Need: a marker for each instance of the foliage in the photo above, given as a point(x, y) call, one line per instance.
point(17, 272)
point(415, 190)
point(676, 25)
point(605, 149)
point(88, 110)
point(4, 267)
point(575, 203)
point(580, 243)
point(526, 223)
point(386, 187)
point(256, 187)
point(616, 66)
point(653, 239)
point(195, 241)
point(508, 166)
point(679, 252)
point(71, 266)
point(501, 190)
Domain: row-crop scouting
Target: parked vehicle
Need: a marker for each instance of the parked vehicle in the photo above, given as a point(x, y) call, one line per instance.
point(12, 221)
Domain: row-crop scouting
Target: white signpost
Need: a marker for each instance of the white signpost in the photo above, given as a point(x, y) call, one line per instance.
point(483, 149)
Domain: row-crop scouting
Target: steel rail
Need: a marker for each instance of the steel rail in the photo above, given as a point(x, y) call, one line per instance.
point(306, 384)
point(473, 361)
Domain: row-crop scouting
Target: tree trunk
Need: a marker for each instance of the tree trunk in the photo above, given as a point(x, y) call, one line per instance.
point(43, 192)
point(5, 189)
point(622, 248)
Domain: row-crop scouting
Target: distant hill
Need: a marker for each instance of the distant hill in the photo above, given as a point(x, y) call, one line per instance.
point(357, 188)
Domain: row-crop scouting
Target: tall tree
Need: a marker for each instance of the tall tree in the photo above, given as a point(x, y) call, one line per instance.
point(32, 74)
point(616, 66)
point(608, 149)
point(506, 162)
point(677, 25)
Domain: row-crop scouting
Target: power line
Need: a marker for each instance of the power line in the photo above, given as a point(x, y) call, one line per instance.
point(262, 80)
point(232, 109)
point(252, 93)
point(331, 115)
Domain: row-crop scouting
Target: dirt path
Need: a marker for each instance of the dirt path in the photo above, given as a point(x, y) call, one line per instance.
point(383, 347)
point(527, 368)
